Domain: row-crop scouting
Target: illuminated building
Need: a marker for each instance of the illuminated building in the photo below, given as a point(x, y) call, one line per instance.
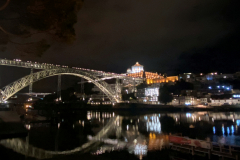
point(149, 75)
point(161, 79)
point(185, 100)
point(153, 93)
point(188, 77)
point(136, 68)
point(220, 102)
point(188, 100)
point(225, 99)
point(151, 78)
point(149, 94)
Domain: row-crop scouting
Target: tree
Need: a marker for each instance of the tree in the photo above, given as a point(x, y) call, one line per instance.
point(27, 23)
point(165, 96)
point(142, 86)
point(50, 98)
point(67, 95)
point(179, 86)
point(129, 96)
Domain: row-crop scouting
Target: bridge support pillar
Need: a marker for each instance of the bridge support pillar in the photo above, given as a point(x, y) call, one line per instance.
point(118, 89)
point(209, 154)
point(82, 88)
point(134, 86)
point(59, 87)
point(119, 128)
point(30, 86)
point(192, 150)
point(27, 146)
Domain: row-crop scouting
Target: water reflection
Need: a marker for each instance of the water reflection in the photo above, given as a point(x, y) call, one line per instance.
point(137, 133)
point(196, 122)
point(153, 124)
point(140, 149)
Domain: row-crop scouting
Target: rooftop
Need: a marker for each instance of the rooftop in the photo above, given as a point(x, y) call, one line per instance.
point(137, 64)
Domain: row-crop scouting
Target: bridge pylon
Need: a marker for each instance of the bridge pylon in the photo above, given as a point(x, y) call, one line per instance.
point(118, 89)
point(59, 87)
point(31, 84)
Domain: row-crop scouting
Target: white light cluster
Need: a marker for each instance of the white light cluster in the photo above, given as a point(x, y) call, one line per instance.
point(18, 60)
point(151, 92)
point(236, 96)
point(140, 149)
point(154, 125)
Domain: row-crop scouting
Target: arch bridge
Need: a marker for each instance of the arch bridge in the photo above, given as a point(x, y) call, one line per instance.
point(48, 70)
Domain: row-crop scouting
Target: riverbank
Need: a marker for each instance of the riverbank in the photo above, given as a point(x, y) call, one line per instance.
point(9, 116)
point(149, 107)
point(138, 107)
point(11, 126)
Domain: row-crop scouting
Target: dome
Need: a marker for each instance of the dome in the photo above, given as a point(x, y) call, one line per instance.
point(129, 70)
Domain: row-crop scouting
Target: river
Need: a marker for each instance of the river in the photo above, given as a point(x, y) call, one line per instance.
point(135, 133)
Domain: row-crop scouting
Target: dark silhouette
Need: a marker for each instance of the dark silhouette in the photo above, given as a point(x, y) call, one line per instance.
point(165, 96)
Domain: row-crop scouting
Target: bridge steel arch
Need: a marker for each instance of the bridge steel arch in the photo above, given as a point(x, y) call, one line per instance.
point(16, 86)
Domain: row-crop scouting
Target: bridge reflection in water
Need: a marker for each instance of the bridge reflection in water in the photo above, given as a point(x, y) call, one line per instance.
point(24, 148)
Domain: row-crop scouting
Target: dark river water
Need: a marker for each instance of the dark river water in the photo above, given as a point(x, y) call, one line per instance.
point(135, 133)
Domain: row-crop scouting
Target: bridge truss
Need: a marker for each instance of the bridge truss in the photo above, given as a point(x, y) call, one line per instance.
point(95, 76)
point(45, 66)
point(14, 87)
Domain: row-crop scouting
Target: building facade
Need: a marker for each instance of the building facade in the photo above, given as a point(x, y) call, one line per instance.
point(135, 68)
point(149, 94)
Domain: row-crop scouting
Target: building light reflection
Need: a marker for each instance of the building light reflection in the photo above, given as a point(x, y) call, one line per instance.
point(232, 128)
point(28, 126)
point(153, 124)
point(188, 114)
point(89, 117)
point(140, 149)
point(238, 122)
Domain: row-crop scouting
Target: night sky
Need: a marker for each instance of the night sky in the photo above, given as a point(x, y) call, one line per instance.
point(165, 36)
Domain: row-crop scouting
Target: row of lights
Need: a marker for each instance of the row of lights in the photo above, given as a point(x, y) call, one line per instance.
point(18, 60)
point(149, 75)
point(210, 87)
